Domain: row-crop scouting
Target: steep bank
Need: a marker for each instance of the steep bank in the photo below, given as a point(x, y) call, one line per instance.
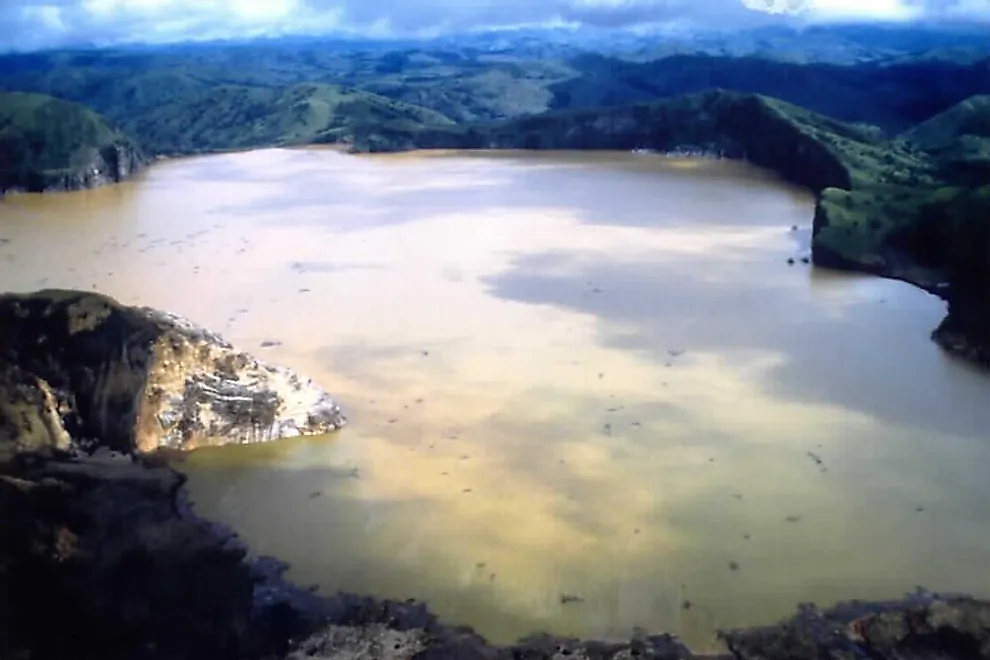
point(911, 209)
point(47, 144)
point(101, 558)
point(768, 133)
point(135, 379)
point(952, 231)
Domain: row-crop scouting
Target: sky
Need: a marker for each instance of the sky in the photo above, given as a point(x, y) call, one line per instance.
point(33, 24)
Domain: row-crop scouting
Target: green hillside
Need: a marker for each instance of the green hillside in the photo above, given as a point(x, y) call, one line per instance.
point(46, 143)
point(513, 76)
point(969, 118)
point(236, 117)
point(894, 96)
point(960, 139)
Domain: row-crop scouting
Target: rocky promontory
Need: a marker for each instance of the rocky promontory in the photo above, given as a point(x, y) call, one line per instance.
point(48, 144)
point(139, 380)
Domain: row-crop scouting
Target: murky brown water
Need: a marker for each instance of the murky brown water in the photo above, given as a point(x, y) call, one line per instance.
point(591, 376)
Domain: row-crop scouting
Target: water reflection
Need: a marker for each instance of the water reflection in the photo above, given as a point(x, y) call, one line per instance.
point(685, 295)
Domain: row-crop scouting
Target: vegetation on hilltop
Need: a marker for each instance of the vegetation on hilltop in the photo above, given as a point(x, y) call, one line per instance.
point(960, 139)
point(893, 97)
point(46, 143)
point(237, 117)
point(955, 220)
point(489, 80)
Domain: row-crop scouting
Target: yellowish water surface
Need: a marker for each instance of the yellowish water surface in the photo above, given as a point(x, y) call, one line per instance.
point(569, 377)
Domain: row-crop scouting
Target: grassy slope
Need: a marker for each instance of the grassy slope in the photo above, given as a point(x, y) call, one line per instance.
point(954, 228)
point(894, 97)
point(235, 116)
point(43, 139)
point(824, 153)
point(468, 83)
point(960, 139)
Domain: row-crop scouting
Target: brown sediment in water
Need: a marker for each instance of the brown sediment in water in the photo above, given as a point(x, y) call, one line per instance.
point(602, 349)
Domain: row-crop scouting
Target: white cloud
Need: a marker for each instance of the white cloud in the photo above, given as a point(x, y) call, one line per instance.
point(37, 23)
point(885, 9)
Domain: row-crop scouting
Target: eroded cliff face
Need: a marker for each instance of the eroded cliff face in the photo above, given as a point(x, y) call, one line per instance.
point(965, 331)
point(30, 421)
point(725, 124)
point(93, 168)
point(138, 380)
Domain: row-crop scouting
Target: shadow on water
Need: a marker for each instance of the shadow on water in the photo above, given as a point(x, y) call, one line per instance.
point(639, 302)
point(343, 540)
point(404, 195)
point(330, 536)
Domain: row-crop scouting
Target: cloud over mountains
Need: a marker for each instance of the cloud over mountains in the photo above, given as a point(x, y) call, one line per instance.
point(40, 23)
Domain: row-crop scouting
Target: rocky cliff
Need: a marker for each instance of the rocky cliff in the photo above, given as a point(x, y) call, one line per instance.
point(763, 131)
point(48, 144)
point(138, 380)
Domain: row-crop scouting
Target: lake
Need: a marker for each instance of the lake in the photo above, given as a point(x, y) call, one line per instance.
point(586, 392)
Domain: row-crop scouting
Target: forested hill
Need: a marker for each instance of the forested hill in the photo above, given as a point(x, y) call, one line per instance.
point(149, 92)
point(50, 144)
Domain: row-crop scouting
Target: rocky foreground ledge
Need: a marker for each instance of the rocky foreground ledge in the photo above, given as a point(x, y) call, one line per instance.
point(100, 556)
point(79, 368)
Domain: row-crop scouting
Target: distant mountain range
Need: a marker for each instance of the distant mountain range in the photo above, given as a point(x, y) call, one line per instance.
point(784, 40)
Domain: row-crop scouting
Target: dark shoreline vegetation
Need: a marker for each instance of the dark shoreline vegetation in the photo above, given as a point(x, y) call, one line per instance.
point(94, 530)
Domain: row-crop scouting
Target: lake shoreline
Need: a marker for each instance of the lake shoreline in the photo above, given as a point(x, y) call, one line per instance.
point(961, 333)
point(83, 519)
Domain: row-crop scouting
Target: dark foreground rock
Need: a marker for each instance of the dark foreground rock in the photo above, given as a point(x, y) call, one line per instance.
point(101, 556)
point(95, 563)
point(965, 332)
point(922, 626)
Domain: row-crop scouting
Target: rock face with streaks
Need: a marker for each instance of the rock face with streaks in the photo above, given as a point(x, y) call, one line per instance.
point(139, 380)
point(29, 415)
point(921, 626)
point(49, 144)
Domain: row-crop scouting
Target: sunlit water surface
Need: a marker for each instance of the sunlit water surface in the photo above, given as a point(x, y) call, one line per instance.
point(587, 376)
